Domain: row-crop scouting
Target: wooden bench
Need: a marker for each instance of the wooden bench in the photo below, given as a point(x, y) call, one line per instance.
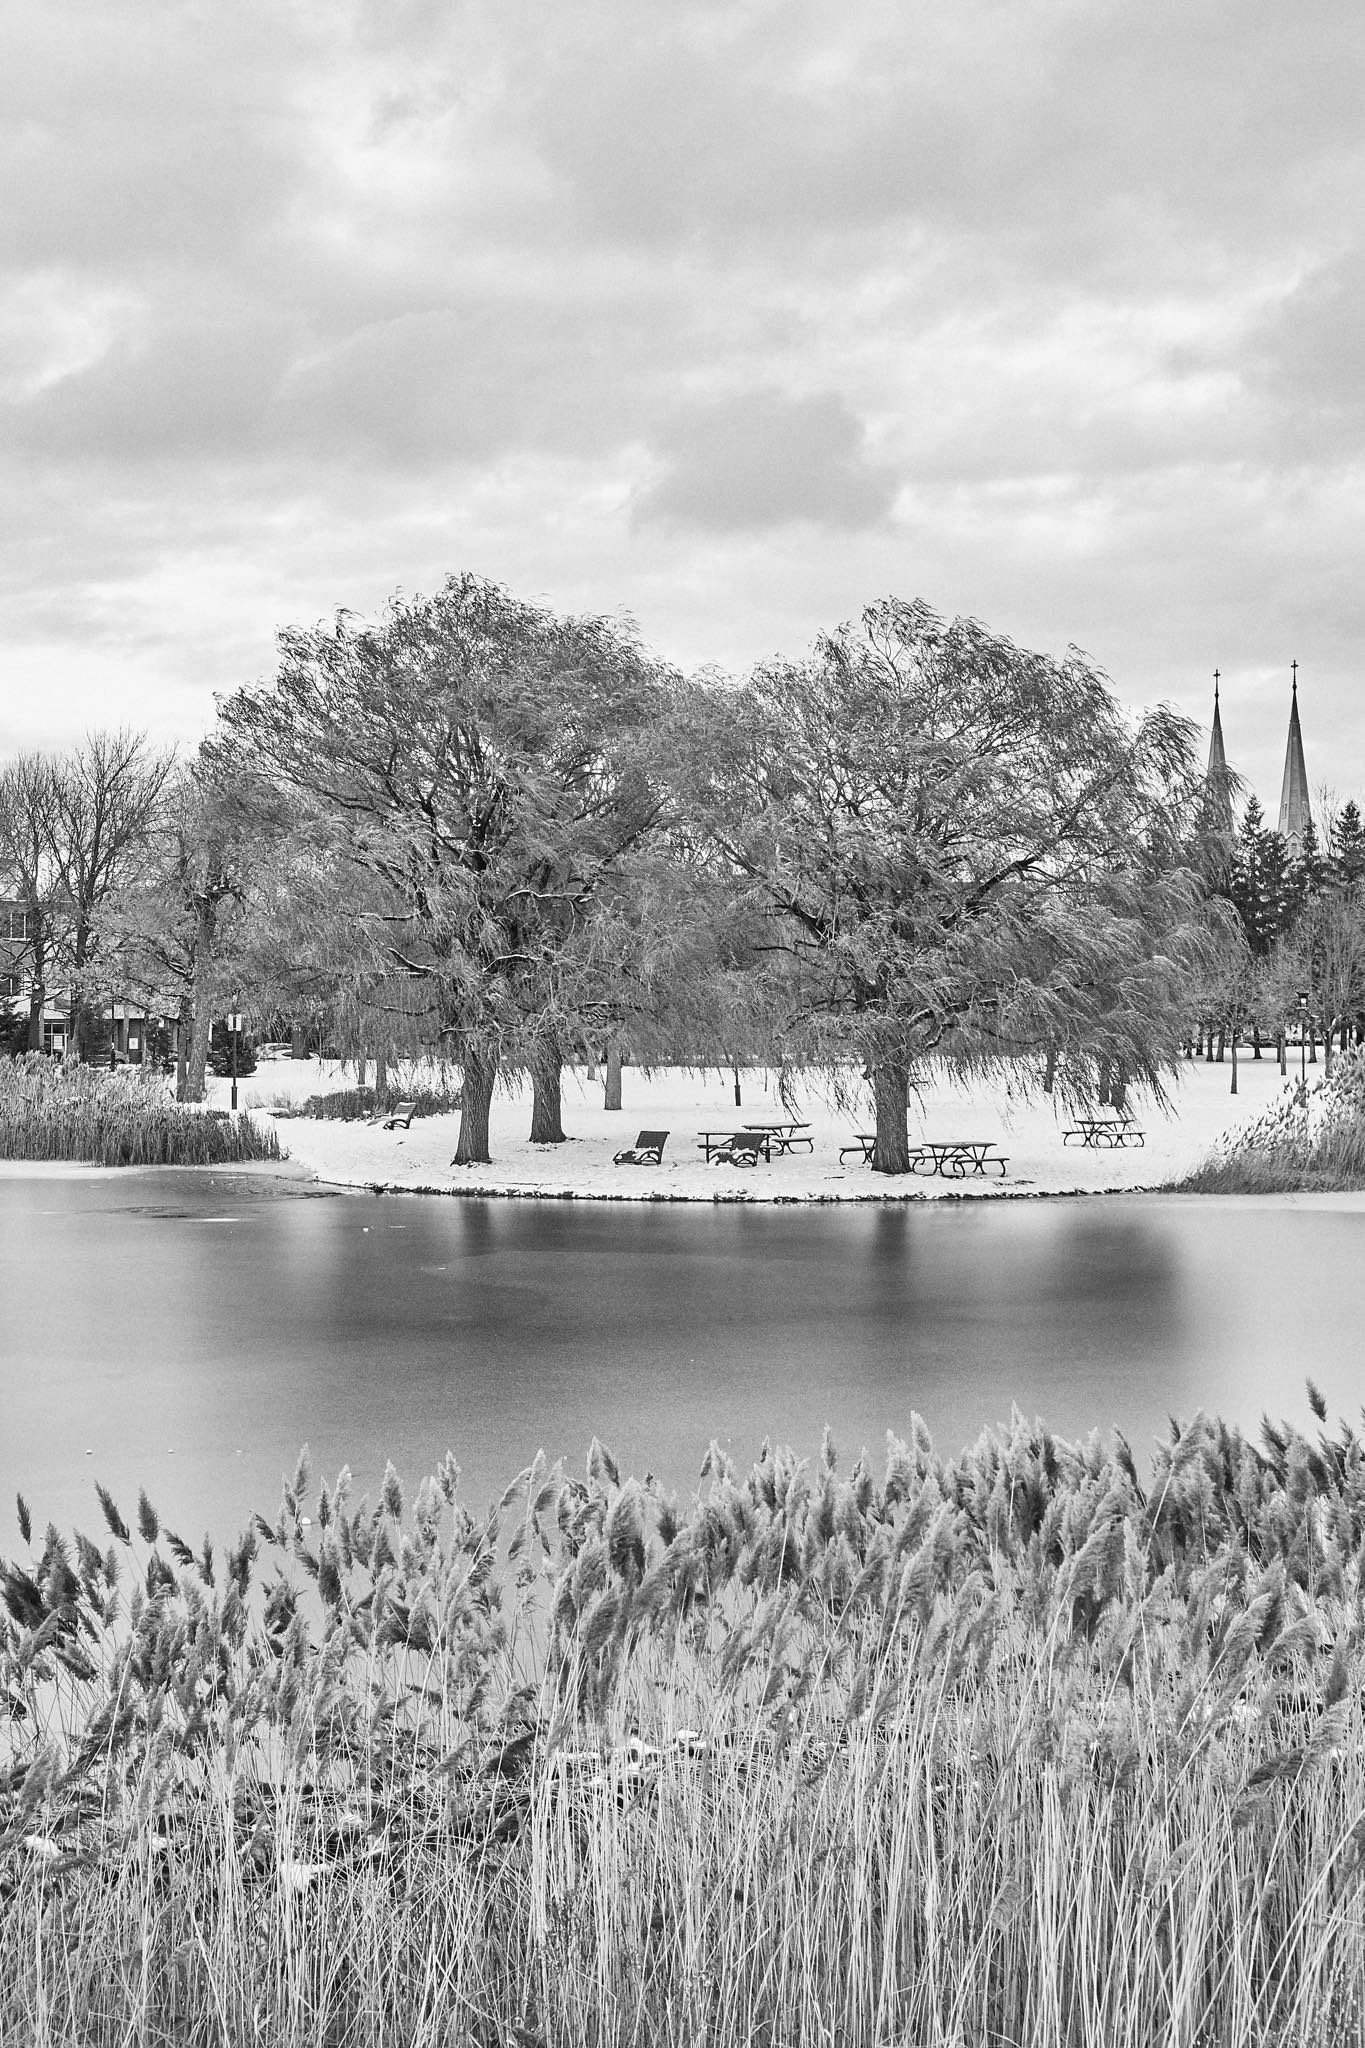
point(401, 1115)
point(735, 1148)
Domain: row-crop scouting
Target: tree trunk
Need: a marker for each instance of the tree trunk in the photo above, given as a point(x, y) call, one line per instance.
point(381, 1075)
point(201, 1027)
point(1222, 1042)
point(1233, 1089)
point(891, 1093)
point(206, 926)
point(1282, 1050)
point(1050, 1070)
point(1327, 1035)
point(476, 1100)
point(611, 1094)
point(547, 1101)
point(1255, 1041)
point(1118, 1094)
point(1208, 1047)
point(1312, 1043)
point(362, 1066)
point(1106, 1068)
point(182, 1050)
point(735, 1071)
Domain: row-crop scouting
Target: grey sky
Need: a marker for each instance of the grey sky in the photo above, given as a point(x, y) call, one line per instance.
point(730, 313)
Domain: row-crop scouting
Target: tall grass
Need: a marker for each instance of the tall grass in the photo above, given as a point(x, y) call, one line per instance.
point(1309, 1140)
point(54, 1111)
point(1010, 1748)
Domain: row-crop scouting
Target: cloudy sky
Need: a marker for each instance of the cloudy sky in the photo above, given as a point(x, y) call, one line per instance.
point(733, 314)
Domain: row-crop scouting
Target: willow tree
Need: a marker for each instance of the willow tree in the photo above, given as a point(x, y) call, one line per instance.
point(479, 768)
point(965, 856)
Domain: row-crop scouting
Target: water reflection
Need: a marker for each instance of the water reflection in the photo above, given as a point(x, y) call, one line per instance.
point(192, 1331)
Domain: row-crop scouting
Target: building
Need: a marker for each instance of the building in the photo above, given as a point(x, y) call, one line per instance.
point(126, 1023)
point(1296, 810)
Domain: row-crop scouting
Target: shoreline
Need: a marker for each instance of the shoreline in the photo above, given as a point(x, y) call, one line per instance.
point(294, 1171)
point(1027, 1129)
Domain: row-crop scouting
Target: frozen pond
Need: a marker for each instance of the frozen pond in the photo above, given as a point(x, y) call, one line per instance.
point(189, 1331)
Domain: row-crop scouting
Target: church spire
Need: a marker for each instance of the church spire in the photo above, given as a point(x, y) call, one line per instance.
point(1295, 811)
point(1217, 790)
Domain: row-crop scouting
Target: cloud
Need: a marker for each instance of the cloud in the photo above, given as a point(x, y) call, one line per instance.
point(1305, 360)
point(759, 460)
point(738, 313)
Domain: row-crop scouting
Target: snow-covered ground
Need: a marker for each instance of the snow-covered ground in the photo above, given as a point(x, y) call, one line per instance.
point(685, 1104)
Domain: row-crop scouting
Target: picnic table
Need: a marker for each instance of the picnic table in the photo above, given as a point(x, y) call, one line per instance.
point(1115, 1128)
point(782, 1137)
point(954, 1158)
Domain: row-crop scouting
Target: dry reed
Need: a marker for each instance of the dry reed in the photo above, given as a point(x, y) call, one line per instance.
point(54, 1111)
point(1311, 1139)
point(1009, 1748)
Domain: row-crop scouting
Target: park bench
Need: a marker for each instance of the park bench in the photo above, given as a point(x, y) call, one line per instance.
point(648, 1150)
point(402, 1115)
point(735, 1148)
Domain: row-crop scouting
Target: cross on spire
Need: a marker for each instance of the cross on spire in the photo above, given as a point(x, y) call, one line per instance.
point(1294, 677)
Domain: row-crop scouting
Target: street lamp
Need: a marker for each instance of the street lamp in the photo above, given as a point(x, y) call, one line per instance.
point(1303, 1037)
point(234, 1025)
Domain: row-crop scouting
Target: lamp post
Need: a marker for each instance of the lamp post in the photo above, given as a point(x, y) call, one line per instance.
point(234, 1025)
point(1303, 1037)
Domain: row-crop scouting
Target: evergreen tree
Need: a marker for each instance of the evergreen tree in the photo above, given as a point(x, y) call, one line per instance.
point(1347, 847)
point(1259, 882)
point(1306, 876)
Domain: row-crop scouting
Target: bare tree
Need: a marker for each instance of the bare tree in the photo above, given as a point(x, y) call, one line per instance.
point(1325, 954)
point(104, 803)
point(170, 928)
point(28, 839)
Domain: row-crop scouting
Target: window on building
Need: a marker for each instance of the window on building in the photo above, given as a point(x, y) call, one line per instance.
point(18, 924)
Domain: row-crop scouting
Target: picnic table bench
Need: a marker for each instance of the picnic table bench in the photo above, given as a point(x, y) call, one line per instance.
point(1115, 1128)
point(955, 1158)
